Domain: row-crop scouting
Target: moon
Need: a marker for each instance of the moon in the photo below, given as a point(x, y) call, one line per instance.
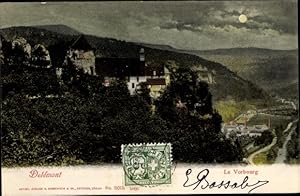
point(243, 18)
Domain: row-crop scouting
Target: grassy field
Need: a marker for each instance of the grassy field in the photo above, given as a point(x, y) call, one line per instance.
point(276, 121)
point(262, 159)
point(280, 125)
point(267, 157)
point(230, 109)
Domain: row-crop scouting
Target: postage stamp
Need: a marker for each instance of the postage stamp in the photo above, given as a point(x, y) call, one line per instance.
point(147, 164)
point(199, 97)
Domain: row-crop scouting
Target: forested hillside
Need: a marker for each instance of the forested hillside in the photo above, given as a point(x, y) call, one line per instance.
point(52, 119)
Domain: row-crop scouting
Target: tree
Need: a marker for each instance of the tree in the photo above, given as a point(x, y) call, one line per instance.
point(144, 92)
point(187, 91)
point(58, 52)
point(194, 128)
point(40, 56)
point(265, 139)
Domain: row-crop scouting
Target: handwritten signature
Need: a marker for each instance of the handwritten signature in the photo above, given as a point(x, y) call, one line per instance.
point(203, 182)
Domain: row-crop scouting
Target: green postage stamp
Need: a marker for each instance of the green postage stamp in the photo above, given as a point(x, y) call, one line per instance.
point(147, 164)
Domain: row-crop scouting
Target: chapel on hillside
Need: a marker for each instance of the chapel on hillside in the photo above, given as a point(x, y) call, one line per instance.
point(133, 70)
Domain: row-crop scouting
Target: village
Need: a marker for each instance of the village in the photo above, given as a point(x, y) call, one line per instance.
point(253, 128)
point(239, 126)
point(242, 125)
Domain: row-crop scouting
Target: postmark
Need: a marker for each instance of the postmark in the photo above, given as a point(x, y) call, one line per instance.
point(147, 164)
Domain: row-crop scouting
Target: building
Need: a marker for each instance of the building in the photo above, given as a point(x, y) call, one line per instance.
point(156, 86)
point(82, 55)
point(243, 130)
point(134, 71)
point(158, 78)
point(254, 131)
point(131, 70)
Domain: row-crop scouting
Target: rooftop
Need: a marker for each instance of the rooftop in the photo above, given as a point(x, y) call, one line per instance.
point(81, 43)
point(119, 67)
point(156, 81)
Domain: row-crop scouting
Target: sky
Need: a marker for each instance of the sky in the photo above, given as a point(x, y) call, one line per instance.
point(195, 25)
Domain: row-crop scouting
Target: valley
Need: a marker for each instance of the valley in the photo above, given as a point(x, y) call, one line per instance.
point(243, 94)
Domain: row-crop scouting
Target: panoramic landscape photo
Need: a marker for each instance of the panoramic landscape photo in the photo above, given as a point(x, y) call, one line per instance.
point(216, 79)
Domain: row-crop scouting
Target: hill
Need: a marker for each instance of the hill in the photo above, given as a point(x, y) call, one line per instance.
point(61, 117)
point(159, 46)
point(269, 69)
point(227, 83)
point(62, 29)
point(35, 35)
point(291, 91)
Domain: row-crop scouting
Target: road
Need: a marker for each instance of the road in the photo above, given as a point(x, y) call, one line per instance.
point(282, 152)
point(289, 126)
point(281, 155)
point(264, 149)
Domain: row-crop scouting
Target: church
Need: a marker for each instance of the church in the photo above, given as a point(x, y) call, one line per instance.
point(132, 70)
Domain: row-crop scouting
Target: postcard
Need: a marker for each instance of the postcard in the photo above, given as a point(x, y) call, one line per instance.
point(149, 97)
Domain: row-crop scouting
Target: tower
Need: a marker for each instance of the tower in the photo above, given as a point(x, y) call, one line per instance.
point(142, 54)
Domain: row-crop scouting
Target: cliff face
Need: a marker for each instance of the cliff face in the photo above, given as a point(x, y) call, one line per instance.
point(269, 69)
point(83, 59)
point(23, 52)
